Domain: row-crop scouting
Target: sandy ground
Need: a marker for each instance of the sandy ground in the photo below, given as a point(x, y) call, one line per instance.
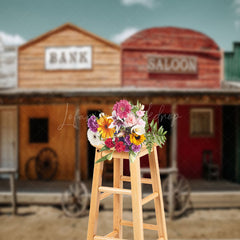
point(49, 223)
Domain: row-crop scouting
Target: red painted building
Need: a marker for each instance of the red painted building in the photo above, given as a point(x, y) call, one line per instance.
point(169, 59)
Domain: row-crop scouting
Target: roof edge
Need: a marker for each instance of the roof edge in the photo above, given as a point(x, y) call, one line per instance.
point(173, 27)
point(67, 25)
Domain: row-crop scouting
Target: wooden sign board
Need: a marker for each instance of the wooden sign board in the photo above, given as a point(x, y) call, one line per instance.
point(172, 64)
point(68, 58)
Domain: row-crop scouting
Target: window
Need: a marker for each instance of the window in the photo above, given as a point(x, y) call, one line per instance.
point(38, 130)
point(201, 122)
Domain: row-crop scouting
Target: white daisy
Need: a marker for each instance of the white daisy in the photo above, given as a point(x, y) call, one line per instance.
point(94, 138)
point(138, 129)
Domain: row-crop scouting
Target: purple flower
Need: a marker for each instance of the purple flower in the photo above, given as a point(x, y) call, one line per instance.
point(118, 122)
point(127, 140)
point(126, 148)
point(92, 123)
point(136, 148)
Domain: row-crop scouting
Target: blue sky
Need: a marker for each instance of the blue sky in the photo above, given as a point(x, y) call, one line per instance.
point(117, 19)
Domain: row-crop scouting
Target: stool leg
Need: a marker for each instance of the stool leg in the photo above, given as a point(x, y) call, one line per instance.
point(117, 198)
point(94, 206)
point(158, 202)
point(136, 199)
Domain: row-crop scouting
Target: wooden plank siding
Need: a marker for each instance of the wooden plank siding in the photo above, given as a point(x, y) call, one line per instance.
point(105, 73)
point(105, 70)
point(61, 138)
point(170, 42)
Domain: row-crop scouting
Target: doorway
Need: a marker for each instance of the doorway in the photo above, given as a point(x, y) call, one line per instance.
point(165, 120)
point(8, 138)
point(230, 148)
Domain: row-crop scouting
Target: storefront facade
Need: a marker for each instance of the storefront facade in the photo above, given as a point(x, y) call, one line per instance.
point(65, 58)
point(175, 58)
point(176, 73)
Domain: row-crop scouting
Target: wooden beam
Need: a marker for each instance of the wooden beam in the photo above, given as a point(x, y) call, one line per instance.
point(143, 180)
point(173, 153)
point(117, 198)
point(106, 238)
point(104, 195)
point(115, 190)
point(145, 225)
point(174, 137)
point(149, 198)
point(13, 190)
point(111, 234)
point(189, 97)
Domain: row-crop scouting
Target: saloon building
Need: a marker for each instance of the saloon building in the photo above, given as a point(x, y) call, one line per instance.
point(68, 73)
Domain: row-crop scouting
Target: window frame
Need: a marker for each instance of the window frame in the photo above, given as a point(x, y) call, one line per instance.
point(209, 111)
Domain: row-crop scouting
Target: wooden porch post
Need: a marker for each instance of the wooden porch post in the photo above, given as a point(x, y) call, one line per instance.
point(77, 145)
point(173, 153)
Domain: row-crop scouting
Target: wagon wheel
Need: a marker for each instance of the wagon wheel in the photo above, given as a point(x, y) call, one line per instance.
point(46, 164)
point(75, 199)
point(30, 172)
point(181, 190)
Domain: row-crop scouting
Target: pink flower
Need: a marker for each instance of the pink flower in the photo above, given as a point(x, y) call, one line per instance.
point(140, 113)
point(122, 108)
point(141, 122)
point(130, 120)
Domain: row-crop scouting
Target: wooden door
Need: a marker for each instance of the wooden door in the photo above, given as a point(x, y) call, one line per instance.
point(8, 137)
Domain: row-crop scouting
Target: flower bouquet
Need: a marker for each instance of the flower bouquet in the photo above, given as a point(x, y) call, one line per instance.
point(127, 130)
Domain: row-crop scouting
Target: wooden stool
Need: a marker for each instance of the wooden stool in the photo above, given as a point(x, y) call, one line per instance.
point(100, 192)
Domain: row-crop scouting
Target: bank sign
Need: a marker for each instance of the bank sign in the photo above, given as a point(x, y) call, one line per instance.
point(172, 64)
point(68, 58)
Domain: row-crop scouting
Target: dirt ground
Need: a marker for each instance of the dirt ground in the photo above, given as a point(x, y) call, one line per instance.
point(50, 223)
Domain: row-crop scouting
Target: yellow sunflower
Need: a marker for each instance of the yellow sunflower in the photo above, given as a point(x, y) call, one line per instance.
point(103, 127)
point(137, 139)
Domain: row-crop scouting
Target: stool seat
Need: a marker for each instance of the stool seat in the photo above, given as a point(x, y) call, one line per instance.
point(100, 192)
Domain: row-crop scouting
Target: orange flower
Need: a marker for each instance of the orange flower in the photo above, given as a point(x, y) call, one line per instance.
point(104, 129)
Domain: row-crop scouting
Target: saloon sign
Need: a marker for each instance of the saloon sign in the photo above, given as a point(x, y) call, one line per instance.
point(172, 64)
point(69, 58)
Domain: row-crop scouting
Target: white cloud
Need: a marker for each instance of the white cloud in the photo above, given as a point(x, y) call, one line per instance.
point(237, 25)
point(236, 5)
point(11, 40)
point(127, 32)
point(237, 10)
point(145, 3)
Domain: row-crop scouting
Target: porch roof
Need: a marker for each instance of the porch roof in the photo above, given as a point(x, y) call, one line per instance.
point(229, 94)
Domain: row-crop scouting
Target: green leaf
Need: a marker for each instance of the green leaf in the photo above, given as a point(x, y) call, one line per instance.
point(106, 157)
point(158, 141)
point(155, 127)
point(109, 156)
point(104, 148)
point(152, 123)
point(132, 156)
